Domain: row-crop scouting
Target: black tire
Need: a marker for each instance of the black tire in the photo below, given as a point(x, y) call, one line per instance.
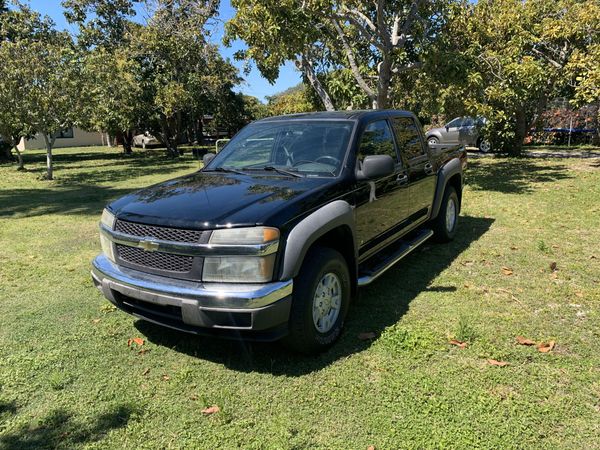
point(442, 231)
point(304, 336)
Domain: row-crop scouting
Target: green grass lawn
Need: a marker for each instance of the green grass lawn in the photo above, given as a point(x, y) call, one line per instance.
point(69, 379)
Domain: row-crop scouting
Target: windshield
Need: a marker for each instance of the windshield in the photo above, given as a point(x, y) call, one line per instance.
point(305, 148)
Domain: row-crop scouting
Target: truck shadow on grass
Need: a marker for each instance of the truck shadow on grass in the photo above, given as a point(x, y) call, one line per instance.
point(61, 429)
point(380, 305)
point(514, 175)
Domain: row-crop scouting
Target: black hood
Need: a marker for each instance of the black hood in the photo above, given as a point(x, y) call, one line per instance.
point(210, 200)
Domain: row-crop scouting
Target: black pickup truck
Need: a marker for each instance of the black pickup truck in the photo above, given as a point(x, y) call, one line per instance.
point(274, 236)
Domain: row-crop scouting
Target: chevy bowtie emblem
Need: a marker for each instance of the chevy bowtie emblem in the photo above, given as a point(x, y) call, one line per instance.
point(149, 246)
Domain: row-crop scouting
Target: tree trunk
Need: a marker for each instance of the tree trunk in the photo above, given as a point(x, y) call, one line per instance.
point(49, 144)
point(15, 144)
point(167, 138)
point(306, 67)
point(384, 70)
point(127, 137)
point(21, 164)
point(521, 123)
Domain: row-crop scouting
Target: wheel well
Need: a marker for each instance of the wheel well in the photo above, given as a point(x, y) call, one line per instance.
point(342, 240)
point(456, 182)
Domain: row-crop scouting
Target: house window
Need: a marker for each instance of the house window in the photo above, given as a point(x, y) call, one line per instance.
point(66, 133)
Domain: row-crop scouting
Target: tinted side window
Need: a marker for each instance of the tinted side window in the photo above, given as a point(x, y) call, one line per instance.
point(455, 123)
point(377, 140)
point(408, 137)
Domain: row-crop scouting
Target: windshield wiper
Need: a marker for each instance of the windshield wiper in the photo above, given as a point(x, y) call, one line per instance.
point(282, 171)
point(224, 170)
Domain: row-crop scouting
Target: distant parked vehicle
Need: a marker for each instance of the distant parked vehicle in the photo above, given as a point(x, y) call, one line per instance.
point(462, 130)
point(145, 140)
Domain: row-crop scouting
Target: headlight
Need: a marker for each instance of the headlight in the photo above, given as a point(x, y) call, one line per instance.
point(108, 220)
point(241, 269)
point(238, 269)
point(240, 236)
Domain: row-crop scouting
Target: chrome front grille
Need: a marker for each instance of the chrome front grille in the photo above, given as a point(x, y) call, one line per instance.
point(161, 233)
point(155, 260)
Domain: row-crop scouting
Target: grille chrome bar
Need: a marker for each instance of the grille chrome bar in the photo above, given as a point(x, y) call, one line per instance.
point(188, 248)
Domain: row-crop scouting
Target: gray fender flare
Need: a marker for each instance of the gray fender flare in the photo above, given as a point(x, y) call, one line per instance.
point(450, 169)
point(311, 228)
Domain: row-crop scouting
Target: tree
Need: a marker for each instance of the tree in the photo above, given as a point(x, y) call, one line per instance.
point(102, 23)
point(118, 103)
point(18, 28)
point(373, 41)
point(181, 73)
point(517, 55)
point(291, 101)
point(48, 89)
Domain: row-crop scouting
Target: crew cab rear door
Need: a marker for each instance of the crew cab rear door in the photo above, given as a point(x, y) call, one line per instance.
point(421, 176)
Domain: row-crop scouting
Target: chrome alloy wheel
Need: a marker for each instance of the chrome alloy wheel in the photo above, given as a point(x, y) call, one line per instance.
point(485, 146)
point(327, 302)
point(450, 215)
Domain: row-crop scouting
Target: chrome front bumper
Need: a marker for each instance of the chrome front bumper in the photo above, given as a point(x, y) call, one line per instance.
point(193, 304)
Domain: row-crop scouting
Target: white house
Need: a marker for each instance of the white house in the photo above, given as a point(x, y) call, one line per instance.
point(69, 137)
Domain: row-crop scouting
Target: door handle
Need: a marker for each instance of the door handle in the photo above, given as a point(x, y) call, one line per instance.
point(402, 178)
point(428, 169)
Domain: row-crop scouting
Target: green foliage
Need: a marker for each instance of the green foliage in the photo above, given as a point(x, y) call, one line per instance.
point(103, 23)
point(41, 86)
point(346, 49)
point(512, 56)
point(293, 100)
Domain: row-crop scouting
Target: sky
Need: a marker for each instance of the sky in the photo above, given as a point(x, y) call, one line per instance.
point(254, 83)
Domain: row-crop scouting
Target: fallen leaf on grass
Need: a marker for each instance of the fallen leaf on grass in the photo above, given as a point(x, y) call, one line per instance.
point(146, 371)
point(367, 336)
point(553, 266)
point(371, 447)
point(514, 247)
point(94, 321)
point(211, 410)
point(166, 377)
point(579, 294)
point(137, 341)
point(554, 275)
point(494, 362)
point(545, 347)
point(507, 271)
point(524, 341)
point(459, 344)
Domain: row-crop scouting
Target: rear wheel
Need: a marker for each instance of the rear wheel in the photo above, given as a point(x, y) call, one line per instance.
point(445, 224)
point(320, 301)
point(484, 146)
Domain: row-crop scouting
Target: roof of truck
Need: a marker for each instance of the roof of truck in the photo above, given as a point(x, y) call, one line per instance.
point(347, 115)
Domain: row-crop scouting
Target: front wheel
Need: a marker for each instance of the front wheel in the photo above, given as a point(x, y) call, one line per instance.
point(445, 224)
point(432, 140)
point(320, 301)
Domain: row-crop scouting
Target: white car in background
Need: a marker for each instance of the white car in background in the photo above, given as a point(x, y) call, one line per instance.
point(145, 140)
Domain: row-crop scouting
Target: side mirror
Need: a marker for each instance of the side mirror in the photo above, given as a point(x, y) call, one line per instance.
point(208, 158)
point(376, 166)
point(447, 128)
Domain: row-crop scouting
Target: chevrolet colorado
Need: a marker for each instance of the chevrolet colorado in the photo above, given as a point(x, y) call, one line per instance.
point(274, 236)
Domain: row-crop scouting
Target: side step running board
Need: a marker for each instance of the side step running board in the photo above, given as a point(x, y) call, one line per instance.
point(406, 247)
